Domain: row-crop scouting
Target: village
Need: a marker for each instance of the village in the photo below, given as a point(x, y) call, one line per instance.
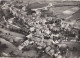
point(39, 29)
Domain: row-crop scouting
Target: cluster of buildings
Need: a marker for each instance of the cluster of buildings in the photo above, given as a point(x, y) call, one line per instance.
point(40, 27)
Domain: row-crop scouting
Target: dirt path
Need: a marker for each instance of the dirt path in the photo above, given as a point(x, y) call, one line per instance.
point(12, 33)
point(11, 47)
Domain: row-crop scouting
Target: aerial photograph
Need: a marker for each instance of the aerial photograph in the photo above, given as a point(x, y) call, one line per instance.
point(39, 28)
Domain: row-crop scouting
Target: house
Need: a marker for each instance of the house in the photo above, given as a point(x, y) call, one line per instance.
point(67, 24)
point(77, 24)
point(63, 24)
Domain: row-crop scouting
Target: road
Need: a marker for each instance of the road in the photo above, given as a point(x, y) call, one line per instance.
point(12, 33)
point(11, 47)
